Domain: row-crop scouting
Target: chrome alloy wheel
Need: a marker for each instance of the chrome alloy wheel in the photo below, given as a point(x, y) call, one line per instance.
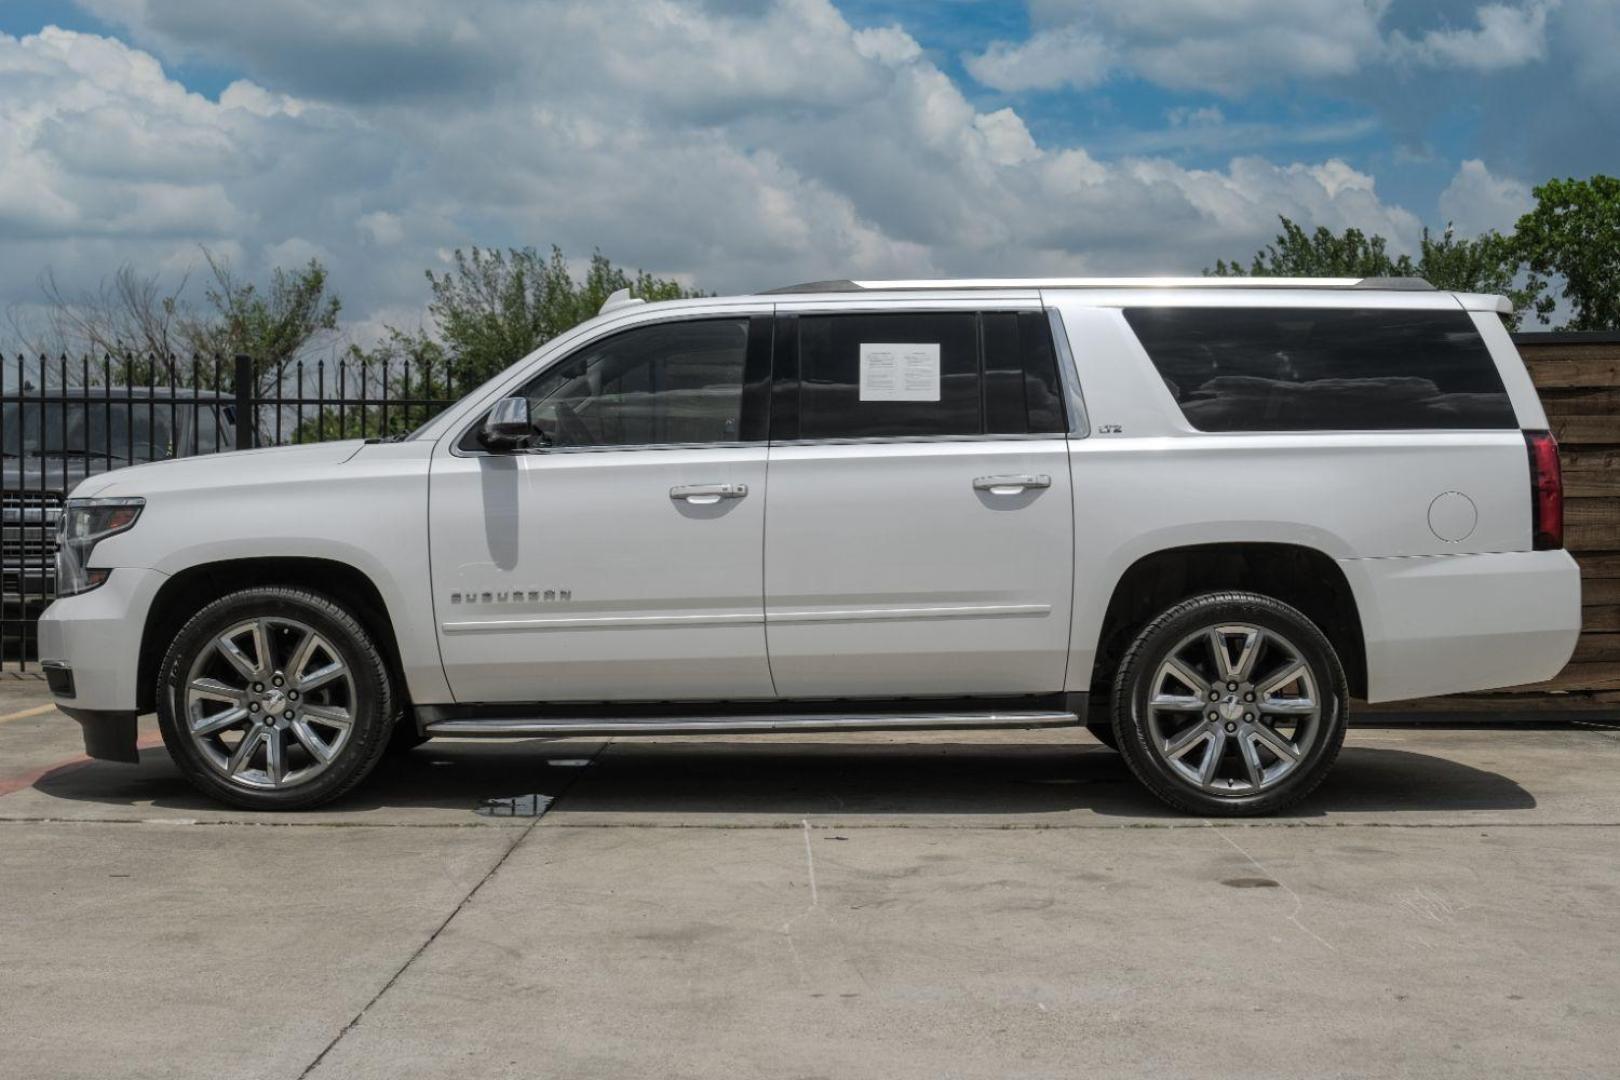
point(269, 702)
point(1233, 709)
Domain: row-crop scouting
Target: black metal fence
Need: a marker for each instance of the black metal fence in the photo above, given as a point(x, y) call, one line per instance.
point(64, 419)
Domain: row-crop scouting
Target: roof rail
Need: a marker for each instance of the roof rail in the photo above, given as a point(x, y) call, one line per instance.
point(834, 285)
point(1411, 284)
point(920, 284)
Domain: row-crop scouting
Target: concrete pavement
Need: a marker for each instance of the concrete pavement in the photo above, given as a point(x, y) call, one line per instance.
point(977, 906)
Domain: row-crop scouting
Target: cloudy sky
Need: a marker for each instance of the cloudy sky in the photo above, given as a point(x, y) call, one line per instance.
point(740, 145)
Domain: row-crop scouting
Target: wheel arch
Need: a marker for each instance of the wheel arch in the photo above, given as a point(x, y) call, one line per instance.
point(1303, 577)
point(187, 591)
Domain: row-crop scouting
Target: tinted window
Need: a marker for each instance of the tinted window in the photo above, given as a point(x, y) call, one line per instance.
point(1021, 389)
point(142, 430)
point(213, 428)
point(679, 382)
point(1314, 369)
point(833, 403)
point(926, 373)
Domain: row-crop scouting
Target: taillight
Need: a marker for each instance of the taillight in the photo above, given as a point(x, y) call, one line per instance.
point(1546, 492)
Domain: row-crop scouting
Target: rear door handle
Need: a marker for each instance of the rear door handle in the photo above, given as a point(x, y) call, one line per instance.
point(708, 494)
point(1012, 485)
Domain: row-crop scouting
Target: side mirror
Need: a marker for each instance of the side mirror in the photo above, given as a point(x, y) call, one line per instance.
point(507, 427)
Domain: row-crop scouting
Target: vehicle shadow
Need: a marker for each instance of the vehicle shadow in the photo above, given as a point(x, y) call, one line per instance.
point(799, 778)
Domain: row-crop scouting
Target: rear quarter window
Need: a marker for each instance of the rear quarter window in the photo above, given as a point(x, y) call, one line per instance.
point(1324, 369)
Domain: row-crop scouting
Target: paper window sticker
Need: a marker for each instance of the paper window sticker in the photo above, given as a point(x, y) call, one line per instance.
point(899, 372)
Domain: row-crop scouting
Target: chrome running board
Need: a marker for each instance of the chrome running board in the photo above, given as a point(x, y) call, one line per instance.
point(517, 727)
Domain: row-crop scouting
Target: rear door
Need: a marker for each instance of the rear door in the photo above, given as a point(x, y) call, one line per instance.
point(919, 521)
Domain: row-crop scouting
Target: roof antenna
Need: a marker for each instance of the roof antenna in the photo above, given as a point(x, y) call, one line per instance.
point(620, 298)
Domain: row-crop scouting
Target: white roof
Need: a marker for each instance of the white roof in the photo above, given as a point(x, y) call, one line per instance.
point(1142, 283)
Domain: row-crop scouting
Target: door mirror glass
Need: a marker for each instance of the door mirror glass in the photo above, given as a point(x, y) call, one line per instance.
point(507, 427)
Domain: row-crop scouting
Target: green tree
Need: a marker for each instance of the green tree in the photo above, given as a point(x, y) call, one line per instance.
point(494, 307)
point(1486, 264)
point(411, 369)
point(1573, 234)
point(141, 324)
point(1322, 253)
point(489, 310)
point(275, 326)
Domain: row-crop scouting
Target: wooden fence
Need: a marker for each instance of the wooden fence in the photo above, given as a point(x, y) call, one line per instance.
point(1578, 376)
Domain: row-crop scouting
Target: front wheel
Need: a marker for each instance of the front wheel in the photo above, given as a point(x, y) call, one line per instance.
point(274, 699)
point(1230, 704)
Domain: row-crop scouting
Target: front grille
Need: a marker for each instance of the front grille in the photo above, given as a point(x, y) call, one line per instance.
point(25, 505)
point(28, 535)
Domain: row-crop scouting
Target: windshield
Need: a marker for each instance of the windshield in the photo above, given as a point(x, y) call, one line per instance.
point(122, 431)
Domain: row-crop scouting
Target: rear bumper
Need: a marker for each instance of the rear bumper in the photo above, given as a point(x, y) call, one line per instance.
point(1448, 624)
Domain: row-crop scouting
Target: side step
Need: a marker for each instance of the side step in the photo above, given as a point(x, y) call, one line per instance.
point(516, 727)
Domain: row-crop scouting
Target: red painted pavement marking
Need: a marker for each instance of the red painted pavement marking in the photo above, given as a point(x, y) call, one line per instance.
point(10, 784)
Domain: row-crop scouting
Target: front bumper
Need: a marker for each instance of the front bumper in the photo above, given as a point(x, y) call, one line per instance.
point(89, 647)
point(108, 734)
point(1451, 624)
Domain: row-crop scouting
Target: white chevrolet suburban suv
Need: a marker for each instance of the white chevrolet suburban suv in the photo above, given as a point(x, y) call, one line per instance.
point(1196, 516)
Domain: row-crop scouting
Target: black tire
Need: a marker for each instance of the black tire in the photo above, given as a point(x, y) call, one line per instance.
point(1152, 647)
point(371, 709)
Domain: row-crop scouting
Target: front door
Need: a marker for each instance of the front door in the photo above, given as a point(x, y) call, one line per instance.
point(919, 526)
point(619, 558)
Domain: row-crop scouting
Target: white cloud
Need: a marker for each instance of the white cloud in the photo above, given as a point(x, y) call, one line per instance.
point(1226, 46)
point(1506, 36)
point(1186, 116)
point(735, 147)
point(242, 94)
point(1205, 129)
point(382, 228)
point(358, 50)
point(1064, 56)
point(890, 44)
point(1476, 200)
point(1589, 32)
point(1233, 47)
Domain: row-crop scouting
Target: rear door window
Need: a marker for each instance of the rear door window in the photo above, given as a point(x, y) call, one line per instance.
point(1324, 369)
point(919, 375)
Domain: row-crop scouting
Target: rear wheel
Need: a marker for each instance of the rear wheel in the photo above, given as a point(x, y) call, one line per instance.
point(274, 699)
point(1230, 704)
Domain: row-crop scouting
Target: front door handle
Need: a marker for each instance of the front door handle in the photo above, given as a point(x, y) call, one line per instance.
point(1012, 485)
point(708, 494)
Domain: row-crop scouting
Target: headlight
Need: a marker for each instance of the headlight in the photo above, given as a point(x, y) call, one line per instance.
point(84, 524)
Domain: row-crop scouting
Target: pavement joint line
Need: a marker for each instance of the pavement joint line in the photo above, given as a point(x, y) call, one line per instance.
point(836, 823)
point(1140, 826)
point(1299, 903)
point(354, 1021)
